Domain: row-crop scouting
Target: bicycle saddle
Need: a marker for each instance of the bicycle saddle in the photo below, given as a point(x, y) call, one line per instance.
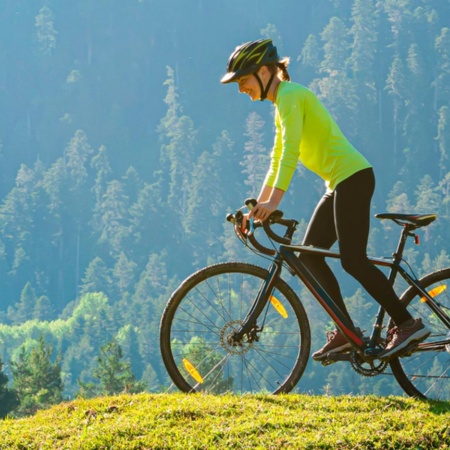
point(411, 220)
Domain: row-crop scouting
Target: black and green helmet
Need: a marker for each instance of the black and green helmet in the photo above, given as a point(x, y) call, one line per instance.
point(249, 57)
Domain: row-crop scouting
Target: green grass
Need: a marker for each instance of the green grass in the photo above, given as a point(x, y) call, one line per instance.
point(180, 421)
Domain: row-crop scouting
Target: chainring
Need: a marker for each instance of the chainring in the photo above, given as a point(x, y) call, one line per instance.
point(367, 368)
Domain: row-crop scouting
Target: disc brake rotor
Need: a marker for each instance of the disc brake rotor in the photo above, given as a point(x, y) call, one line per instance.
point(227, 341)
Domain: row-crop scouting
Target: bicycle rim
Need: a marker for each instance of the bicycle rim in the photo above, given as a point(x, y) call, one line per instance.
point(207, 308)
point(426, 374)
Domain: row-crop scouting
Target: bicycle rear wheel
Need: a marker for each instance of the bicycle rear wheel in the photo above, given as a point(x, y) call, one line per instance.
point(426, 373)
point(212, 303)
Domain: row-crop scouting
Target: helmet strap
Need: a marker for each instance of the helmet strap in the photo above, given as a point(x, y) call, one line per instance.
point(265, 91)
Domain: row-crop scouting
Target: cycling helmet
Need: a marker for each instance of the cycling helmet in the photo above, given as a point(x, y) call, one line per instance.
point(249, 57)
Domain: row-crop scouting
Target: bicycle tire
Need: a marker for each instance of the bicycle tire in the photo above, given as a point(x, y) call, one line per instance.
point(207, 307)
point(426, 374)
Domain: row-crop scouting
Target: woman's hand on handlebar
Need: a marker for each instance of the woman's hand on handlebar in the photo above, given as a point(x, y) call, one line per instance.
point(262, 210)
point(244, 225)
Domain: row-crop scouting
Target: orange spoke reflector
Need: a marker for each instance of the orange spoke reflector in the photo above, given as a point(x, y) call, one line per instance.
point(193, 372)
point(278, 306)
point(435, 292)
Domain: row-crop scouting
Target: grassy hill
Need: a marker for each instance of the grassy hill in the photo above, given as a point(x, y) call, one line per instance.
point(165, 421)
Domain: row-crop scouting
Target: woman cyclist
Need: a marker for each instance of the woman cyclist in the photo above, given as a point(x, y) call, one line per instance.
point(306, 131)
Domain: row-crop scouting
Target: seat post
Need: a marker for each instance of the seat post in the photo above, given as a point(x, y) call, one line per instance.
point(398, 254)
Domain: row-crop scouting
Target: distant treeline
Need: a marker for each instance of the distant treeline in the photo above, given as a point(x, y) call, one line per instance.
point(121, 154)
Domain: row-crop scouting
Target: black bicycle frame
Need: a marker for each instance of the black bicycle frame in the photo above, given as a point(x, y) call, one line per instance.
point(287, 253)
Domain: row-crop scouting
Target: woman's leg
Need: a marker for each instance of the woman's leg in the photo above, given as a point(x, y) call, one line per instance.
point(352, 216)
point(321, 232)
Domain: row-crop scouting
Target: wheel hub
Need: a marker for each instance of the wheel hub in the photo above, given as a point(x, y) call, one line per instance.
point(228, 341)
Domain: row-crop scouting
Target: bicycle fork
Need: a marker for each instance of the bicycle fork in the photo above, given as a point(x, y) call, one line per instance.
point(249, 325)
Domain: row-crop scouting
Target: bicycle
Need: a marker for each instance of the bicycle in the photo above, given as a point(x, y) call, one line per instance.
point(239, 328)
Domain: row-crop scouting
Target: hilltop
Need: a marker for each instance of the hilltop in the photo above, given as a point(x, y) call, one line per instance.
point(157, 421)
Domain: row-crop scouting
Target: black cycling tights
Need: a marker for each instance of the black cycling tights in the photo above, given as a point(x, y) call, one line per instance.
point(344, 215)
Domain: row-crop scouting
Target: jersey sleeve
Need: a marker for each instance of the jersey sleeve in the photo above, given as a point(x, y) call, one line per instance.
point(286, 149)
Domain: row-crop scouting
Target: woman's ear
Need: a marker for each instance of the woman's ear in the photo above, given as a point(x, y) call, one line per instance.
point(264, 73)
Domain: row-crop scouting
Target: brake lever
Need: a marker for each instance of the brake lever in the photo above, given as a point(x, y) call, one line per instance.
point(251, 226)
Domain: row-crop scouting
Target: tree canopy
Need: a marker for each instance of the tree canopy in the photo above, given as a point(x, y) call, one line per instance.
point(121, 154)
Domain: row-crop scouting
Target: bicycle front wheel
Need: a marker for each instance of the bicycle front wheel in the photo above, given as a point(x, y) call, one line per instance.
point(426, 373)
point(207, 308)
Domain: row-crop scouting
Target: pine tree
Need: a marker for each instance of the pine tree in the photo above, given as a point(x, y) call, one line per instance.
point(23, 310)
point(204, 200)
point(362, 69)
point(309, 59)
point(115, 227)
point(270, 31)
point(8, 397)
point(443, 139)
point(100, 164)
point(398, 201)
point(364, 46)
point(428, 200)
point(335, 38)
point(152, 289)
point(114, 375)
point(150, 379)
point(70, 205)
point(17, 223)
point(396, 88)
point(128, 338)
point(45, 30)
point(43, 309)
point(37, 380)
point(228, 180)
point(399, 17)
point(337, 90)
point(417, 128)
point(123, 274)
point(154, 279)
point(76, 155)
point(132, 184)
point(444, 189)
point(178, 150)
point(256, 157)
point(442, 80)
point(147, 220)
point(97, 278)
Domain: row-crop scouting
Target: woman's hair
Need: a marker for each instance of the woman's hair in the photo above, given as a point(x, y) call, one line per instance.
point(281, 68)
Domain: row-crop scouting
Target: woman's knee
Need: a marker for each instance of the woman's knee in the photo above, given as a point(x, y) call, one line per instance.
point(354, 265)
point(312, 262)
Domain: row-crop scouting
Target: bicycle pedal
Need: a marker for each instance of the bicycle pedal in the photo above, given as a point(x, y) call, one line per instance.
point(326, 362)
point(332, 358)
point(408, 351)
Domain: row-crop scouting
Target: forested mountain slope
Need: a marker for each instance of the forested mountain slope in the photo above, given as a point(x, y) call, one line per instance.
point(121, 154)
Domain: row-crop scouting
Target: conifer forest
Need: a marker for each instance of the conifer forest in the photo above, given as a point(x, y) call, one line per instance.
point(121, 154)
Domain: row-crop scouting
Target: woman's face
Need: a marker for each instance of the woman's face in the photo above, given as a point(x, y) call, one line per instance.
point(250, 86)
